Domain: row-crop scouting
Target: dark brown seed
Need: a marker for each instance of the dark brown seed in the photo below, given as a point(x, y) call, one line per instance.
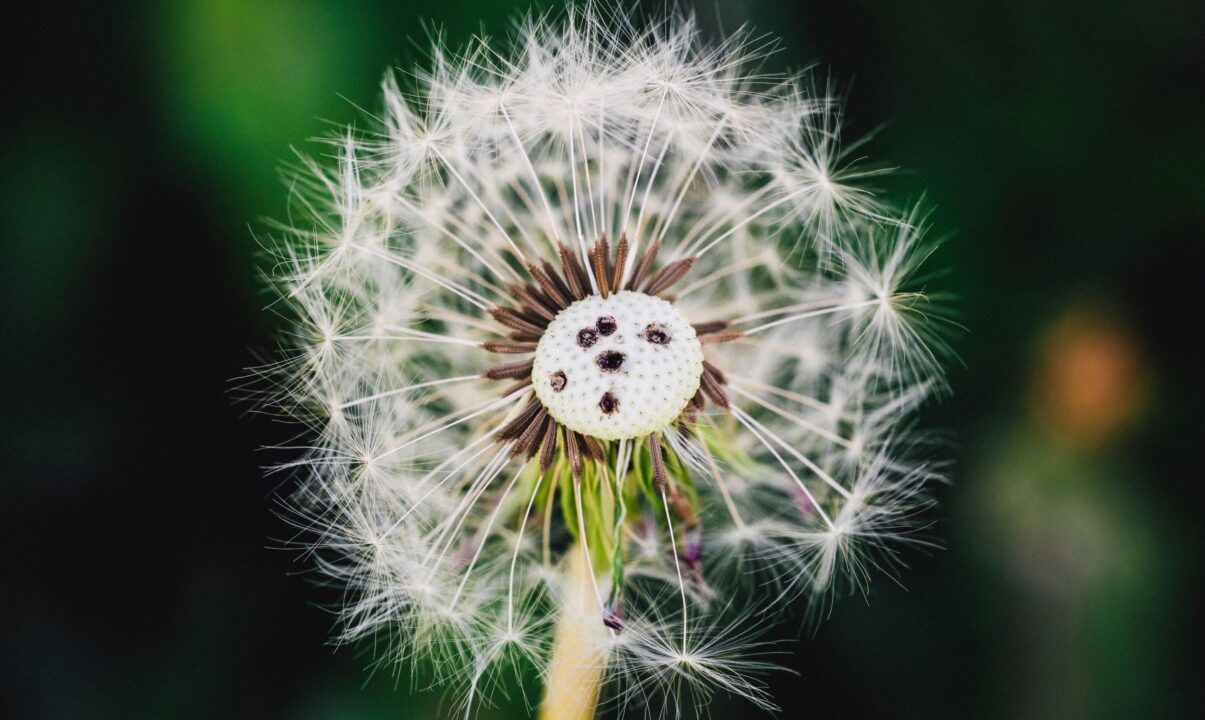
point(710, 326)
point(656, 334)
point(715, 372)
point(621, 260)
point(530, 435)
point(549, 288)
point(714, 390)
point(606, 325)
point(609, 403)
point(720, 337)
point(516, 369)
point(659, 474)
point(606, 253)
point(508, 347)
point(533, 301)
point(556, 278)
point(593, 447)
point(587, 337)
point(518, 424)
point(601, 250)
point(574, 275)
point(524, 337)
point(609, 360)
point(513, 320)
point(557, 380)
point(548, 446)
point(516, 386)
point(572, 452)
point(646, 263)
point(533, 447)
point(669, 275)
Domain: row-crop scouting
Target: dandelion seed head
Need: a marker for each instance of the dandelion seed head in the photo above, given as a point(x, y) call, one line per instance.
point(601, 295)
point(619, 367)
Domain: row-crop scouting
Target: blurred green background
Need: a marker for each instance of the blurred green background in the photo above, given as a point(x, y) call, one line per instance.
point(1061, 144)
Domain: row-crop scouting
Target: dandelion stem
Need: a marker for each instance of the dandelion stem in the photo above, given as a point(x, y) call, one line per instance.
point(576, 670)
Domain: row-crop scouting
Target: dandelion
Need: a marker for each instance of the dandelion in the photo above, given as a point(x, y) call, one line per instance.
point(606, 352)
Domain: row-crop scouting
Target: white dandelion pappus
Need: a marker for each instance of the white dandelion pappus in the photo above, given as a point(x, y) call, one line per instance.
point(604, 349)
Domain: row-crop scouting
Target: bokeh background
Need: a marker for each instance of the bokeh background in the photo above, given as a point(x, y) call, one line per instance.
point(1062, 145)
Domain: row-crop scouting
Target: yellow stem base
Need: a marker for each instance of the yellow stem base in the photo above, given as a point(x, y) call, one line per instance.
point(575, 673)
